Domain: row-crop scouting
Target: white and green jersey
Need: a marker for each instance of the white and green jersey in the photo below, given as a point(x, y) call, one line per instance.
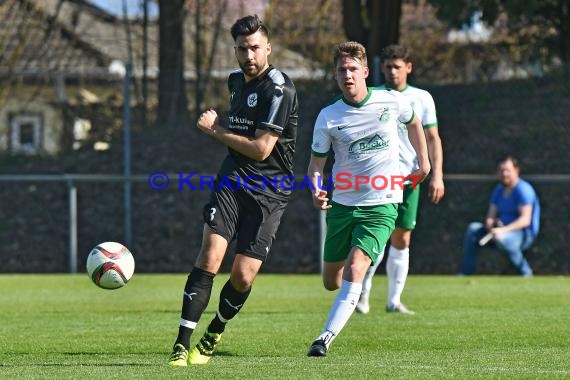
point(364, 138)
point(424, 107)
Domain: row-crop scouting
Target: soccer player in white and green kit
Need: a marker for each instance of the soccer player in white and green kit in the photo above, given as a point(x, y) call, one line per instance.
point(361, 128)
point(396, 66)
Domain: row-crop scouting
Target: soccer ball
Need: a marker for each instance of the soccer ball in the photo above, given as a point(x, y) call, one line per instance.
point(110, 265)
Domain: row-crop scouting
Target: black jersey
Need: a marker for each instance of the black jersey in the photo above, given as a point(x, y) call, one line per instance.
point(268, 102)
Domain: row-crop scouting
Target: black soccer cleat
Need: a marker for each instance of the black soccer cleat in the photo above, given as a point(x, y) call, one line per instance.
point(318, 348)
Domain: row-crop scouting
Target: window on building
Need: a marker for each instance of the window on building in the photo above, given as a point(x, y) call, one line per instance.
point(26, 133)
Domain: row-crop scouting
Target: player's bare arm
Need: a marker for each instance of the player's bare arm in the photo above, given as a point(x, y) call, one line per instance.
point(435, 151)
point(315, 173)
point(418, 141)
point(257, 148)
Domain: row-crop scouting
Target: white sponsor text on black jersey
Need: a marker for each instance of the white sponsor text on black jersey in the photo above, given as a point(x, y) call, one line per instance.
point(268, 102)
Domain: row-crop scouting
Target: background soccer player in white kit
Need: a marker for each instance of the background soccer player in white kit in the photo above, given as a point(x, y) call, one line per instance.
point(361, 127)
point(396, 66)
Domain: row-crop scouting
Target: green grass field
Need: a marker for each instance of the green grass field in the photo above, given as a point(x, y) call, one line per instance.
point(63, 326)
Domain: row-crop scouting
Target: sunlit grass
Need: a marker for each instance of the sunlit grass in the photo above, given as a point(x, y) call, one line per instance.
point(63, 326)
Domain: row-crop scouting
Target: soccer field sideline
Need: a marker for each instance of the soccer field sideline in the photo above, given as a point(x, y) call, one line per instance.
point(63, 326)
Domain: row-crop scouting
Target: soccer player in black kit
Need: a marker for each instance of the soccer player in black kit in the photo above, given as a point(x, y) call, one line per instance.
point(247, 203)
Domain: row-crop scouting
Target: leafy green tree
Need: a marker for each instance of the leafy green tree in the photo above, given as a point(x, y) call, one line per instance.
point(544, 16)
point(308, 28)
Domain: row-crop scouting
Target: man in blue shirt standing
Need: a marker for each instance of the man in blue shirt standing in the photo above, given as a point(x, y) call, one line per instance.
point(512, 222)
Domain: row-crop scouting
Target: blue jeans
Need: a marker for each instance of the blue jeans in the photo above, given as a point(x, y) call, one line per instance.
point(511, 243)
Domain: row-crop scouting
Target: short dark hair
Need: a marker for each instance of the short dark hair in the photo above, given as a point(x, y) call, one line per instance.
point(396, 52)
point(350, 49)
point(508, 157)
point(248, 25)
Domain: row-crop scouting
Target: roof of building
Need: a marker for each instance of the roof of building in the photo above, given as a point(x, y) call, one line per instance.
point(78, 39)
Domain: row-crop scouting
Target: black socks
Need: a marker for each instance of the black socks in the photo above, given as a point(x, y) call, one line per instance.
point(231, 302)
point(196, 297)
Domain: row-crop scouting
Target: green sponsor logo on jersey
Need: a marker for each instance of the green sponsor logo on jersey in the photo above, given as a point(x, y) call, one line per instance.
point(383, 115)
point(368, 145)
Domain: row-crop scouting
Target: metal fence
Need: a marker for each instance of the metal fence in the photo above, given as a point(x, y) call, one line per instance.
point(465, 198)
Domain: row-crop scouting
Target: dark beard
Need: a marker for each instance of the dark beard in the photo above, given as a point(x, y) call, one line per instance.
point(249, 71)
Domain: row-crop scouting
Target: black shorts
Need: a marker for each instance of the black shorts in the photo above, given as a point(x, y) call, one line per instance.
point(249, 218)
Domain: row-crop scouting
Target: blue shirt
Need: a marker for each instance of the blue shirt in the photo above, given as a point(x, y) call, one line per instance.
point(508, 207)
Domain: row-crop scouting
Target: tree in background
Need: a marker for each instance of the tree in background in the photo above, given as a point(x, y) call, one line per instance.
point(172, 102)
point(529, 19)
point(206, 50)
point(311, 29)
point(373, 23)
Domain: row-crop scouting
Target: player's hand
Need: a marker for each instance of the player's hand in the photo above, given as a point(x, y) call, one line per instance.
point(207, 121)
point(436, 190)
point(320, 200)
point(419, 175)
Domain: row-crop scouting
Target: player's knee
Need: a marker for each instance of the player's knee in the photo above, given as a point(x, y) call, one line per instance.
point(208, 261)
point(356, 272)
point(242, 277)
point(241, 283)
point(400, 243)
point(400, 238)
point(331, 283)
